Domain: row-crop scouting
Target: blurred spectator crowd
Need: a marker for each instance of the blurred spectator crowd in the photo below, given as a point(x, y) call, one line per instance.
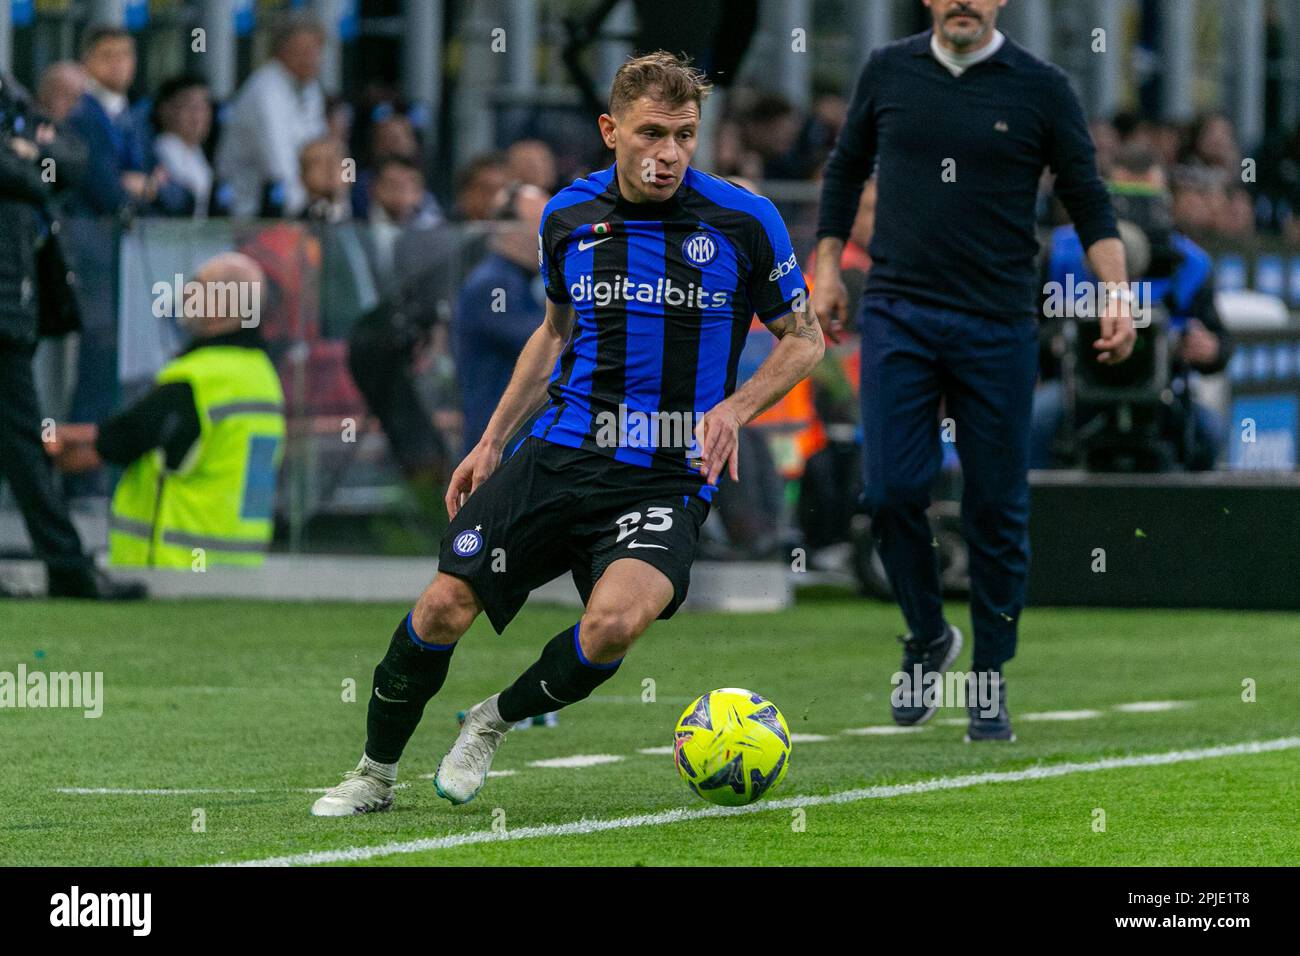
point(407, 280)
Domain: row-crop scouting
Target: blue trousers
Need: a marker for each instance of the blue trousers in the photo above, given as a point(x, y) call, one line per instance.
point(983, 369)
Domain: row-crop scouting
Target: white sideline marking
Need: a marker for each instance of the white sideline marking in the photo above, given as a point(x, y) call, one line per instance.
point(577, 760)
point(882, 729)
point(681, 814)
point(794, 739)
point(1062, 715)
point(1152, 706)
point(592, 760)
point(157, 792)
point(637, 699)
point(186, 791)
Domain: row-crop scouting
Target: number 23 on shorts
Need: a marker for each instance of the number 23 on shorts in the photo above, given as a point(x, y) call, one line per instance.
point(656, 519)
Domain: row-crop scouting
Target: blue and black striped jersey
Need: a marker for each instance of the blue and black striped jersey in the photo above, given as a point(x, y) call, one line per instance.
point(663, 295)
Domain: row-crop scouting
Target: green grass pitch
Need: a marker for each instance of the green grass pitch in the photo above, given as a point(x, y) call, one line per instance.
point(247, 702)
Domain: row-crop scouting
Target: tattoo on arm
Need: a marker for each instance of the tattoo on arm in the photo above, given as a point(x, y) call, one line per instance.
point(801, 324)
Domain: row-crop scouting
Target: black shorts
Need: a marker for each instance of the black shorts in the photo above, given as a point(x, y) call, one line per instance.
point(548, 509)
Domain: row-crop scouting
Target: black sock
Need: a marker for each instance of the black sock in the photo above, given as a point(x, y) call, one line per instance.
point(408, 676)
point(562, 675)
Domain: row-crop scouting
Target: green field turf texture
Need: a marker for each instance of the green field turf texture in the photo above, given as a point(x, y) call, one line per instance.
point(245, 695)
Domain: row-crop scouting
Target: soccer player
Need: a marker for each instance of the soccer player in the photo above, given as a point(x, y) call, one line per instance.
point(652, 272)
point(959, 123)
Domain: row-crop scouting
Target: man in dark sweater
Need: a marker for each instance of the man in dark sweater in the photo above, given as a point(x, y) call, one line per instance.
point(958, 124)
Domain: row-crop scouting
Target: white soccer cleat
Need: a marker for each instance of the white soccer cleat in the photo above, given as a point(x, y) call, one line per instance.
point(464, 769)
point(367, 789)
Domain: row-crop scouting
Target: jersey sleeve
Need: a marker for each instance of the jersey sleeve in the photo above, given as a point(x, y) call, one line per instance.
point(776, 283)
point(550, 257)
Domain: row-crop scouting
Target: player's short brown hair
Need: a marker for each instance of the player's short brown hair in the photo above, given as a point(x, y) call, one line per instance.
point(661, 75)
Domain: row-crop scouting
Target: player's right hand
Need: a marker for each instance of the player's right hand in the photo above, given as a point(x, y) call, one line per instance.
point(469, 474)
point(830, 302)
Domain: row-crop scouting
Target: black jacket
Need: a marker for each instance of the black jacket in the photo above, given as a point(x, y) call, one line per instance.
point(33, 280)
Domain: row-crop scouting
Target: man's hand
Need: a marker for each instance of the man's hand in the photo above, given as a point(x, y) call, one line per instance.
point(830, 298)
point(470, 473)
point(157, 179)
point(135, 184)
point(1200, 346)
point(1106, 259)
point(25, 148)
point(718, 437)
point(72, 447)
point(1117, 335)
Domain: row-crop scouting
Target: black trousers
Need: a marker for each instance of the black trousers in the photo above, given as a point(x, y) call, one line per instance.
point(380, 362)
point(915, 355)
point(28, 469)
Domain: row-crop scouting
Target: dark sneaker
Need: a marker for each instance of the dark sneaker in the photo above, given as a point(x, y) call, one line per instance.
point(94, 585)
point(932, 658)
point(997, 727)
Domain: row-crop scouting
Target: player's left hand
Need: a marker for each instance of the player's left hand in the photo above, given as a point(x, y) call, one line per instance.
point(1117, 334)
point(718, 437)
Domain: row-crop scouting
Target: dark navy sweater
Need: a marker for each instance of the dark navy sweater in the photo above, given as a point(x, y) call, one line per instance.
point(958, 160)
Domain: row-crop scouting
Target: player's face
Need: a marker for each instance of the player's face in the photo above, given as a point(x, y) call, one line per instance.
point(653, 143)
point(964, 24)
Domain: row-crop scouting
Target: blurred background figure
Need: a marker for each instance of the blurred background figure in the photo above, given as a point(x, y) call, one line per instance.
point(478, 184)
point(202, 449)
point(1179, 278)
point(770, 128)
point(397, 205)
point(278, 110)
point(531, 162)
point(1106, 141)
point(326, 189)
point(119, 183)
point(390, 138)
point(36, 299)
point(1212, 143)
point(413, 260)
point(183, 119)
point(117, 176)
point(1200, 201)
point(339, 117)
point(499, 307)
point(60, 88)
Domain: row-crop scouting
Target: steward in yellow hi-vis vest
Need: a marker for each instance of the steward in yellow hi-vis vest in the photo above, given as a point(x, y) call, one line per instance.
point(205, 445)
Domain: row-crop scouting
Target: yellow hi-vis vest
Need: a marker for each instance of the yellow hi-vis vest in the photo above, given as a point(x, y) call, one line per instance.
point(222, 498)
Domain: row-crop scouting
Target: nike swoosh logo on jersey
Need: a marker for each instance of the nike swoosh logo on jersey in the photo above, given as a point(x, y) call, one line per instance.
point(585, 244)
point(552, 696)
point(638, 544)
point(389, 700)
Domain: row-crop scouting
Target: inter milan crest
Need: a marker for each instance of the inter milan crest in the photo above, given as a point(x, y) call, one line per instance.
point(699, 249)
point(467, 543)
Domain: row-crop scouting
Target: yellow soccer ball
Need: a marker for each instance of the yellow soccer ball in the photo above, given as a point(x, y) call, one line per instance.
point(731, 746)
